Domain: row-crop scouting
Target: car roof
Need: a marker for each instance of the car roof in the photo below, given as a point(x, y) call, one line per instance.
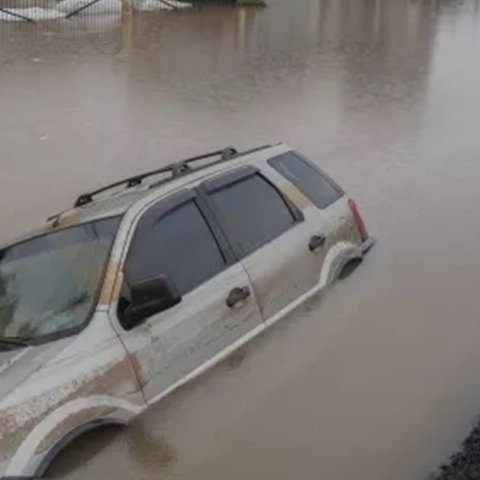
point(116, 199)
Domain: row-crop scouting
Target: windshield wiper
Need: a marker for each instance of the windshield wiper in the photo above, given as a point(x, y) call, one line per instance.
point(15, 342)
point(8, 343)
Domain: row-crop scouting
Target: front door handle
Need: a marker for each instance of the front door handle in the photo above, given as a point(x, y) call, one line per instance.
point(237, 295)
point(316, 242)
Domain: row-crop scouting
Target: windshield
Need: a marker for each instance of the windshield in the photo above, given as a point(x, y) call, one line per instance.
point(48, 284)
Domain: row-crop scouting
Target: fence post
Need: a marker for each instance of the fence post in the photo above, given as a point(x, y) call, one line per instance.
point(127, 7)
point(127, 29)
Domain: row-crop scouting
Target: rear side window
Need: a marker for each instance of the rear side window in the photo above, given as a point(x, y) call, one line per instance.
point(253, 211)
point(179, 245)
point(316, 186)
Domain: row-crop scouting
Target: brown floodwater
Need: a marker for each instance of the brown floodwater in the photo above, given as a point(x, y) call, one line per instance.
point(378, 378)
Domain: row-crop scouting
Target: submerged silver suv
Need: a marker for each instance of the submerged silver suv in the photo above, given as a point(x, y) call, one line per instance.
point(148, 282)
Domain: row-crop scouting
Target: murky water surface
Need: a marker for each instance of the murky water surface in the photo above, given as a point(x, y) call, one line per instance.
point(378, 379)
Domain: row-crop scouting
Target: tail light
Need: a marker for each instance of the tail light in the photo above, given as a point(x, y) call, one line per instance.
point(358, 219)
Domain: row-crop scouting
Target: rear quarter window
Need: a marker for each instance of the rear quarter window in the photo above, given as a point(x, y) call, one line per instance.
point(320, 189)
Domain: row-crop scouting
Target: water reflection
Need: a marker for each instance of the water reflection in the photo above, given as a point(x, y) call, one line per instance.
point(376, 379)
point(80, 452)
point(152, 454)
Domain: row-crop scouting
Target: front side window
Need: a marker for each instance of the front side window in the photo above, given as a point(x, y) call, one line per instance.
point(253, 211)
point(316, 186)
point(49, 284)
point(179, 245)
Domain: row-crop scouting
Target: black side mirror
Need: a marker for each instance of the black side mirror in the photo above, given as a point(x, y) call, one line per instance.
point(148, 298)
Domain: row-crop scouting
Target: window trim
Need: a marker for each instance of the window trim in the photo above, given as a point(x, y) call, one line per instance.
point(216, 228)
point(224, 180)
point(165, 205)
point(325, 175)
point(220, 182)
point(159, 210)
point(301, 158)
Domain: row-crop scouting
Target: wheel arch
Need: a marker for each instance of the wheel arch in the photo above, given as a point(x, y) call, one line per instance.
point(72, 435)
point(61, 427)
point(336, 259)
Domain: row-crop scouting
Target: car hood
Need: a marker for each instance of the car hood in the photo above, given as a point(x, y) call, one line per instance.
point(16, 366)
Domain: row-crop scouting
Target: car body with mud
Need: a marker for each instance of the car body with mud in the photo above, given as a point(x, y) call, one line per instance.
point(148, 282)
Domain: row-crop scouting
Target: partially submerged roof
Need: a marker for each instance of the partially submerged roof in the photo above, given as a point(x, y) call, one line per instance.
point(116, 198)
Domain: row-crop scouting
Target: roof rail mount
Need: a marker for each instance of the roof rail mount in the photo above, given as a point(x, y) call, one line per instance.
point(176, 169)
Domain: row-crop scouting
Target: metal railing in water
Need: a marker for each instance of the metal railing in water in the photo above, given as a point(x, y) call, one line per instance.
point(16, 15)
point(27, 15)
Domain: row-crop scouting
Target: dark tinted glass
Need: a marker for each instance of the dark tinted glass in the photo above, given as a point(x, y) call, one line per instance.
point(179, 245)
point(321, 191)
point(253, 211)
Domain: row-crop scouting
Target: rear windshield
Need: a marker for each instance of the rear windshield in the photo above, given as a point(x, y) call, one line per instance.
point(49, 284)
point(320, 189)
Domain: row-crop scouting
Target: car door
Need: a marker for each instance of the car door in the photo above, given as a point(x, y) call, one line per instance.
point(269, 234)
point(179, 239)
point(324, 204)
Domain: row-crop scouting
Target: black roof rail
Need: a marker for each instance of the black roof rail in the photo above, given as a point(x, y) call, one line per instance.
point(177, 169)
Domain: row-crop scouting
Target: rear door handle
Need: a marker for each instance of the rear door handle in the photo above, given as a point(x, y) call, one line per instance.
point(316, 242)
point(237, 295)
